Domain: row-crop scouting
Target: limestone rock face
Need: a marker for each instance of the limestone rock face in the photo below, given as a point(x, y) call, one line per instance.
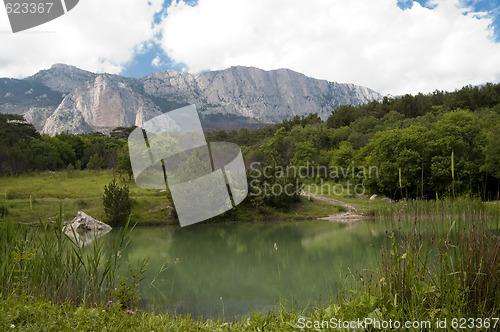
point(269, 96)
point(37, 116)
point(67, 99)
point(104, 103)
point(62, 78)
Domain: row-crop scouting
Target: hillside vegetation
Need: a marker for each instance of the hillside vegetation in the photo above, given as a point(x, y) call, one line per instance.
point(444, 143)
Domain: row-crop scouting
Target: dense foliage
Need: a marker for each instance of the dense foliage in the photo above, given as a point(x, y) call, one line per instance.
point(408, 140)
point(425, 145)
point(23, 149)
point(414, 136)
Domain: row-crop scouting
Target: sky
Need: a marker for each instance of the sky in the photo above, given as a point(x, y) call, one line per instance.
point(391, 46)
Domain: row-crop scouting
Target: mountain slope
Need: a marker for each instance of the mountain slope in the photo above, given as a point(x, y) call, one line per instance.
point(101, 104)
point(267, 96)
point(80, 101)
point(62, 78)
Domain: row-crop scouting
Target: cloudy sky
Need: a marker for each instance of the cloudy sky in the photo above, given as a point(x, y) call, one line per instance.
point(393, 47)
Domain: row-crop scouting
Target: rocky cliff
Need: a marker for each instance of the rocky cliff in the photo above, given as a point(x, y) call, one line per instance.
point(267, 96)
point(101, 104)
point(62, 78)
point(68, 99)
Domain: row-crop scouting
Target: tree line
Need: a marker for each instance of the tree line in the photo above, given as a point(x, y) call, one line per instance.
point(23, 149)
point(413, 141)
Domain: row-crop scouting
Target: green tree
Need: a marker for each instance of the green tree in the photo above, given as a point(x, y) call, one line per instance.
point(275, 147)
point(305, 155)
point(95, 162)
point(396, 149)
point(492, 153)
point(124, 166)
point(459, 132)
point(272, 185)
point(117, 203)
point(343, 116)
point(342, 159)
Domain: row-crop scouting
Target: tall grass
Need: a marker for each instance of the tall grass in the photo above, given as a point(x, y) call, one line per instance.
point(428, 272)
point(41, 261)
point(439, 209)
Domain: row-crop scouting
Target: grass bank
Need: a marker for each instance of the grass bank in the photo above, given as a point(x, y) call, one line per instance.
point(346, 194)
point(29, 198)
point(427, 272)
point(421, 278)
point(471, 207)
point(431, 269)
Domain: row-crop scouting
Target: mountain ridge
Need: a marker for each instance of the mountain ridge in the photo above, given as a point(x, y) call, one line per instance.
point(81, 101)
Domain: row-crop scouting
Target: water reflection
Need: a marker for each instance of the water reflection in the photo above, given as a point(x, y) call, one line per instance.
point(233, 269)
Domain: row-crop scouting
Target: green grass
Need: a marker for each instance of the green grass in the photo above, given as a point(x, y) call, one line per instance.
point(33, 197)
point(409, 209)
point(29, 198)
point(442, 270)
point(364, 205)
point(450, 275)
point(305, 209)
point(33, 315)
point(44, 263)
point(459, 208)
point(315, 208)
point(493, 208)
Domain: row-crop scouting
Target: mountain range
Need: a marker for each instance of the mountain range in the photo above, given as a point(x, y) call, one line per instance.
point(68, 99)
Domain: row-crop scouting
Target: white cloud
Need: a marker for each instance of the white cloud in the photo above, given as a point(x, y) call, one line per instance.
point(366, 42)
point(96, 35)
point(156, 61)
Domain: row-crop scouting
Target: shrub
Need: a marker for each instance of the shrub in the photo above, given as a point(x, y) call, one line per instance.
point(117, 203)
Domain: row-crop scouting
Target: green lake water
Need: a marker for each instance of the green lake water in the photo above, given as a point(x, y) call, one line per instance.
point(230, 270)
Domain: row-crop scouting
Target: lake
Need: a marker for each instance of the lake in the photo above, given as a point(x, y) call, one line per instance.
point(230, 270)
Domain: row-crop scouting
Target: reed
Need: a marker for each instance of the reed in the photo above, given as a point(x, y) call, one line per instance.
point(430, 270)
point(439, 209)
point(41, 261)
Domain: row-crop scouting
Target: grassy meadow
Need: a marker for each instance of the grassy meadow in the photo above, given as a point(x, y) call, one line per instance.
point(32, 197)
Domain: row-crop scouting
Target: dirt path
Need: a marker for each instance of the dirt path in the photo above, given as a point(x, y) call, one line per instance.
point(344, 217)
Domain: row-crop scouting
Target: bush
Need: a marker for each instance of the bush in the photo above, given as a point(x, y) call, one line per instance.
point(117, 203)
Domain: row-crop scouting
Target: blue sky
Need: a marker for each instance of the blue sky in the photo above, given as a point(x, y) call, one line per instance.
point(142, 63)
point(391, 46)
point(490, 6)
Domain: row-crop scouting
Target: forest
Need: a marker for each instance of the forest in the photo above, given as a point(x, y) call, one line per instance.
point(423, 146)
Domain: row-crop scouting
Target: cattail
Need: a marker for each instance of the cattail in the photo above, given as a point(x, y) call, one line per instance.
point(453, 172)
point(452, 166)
